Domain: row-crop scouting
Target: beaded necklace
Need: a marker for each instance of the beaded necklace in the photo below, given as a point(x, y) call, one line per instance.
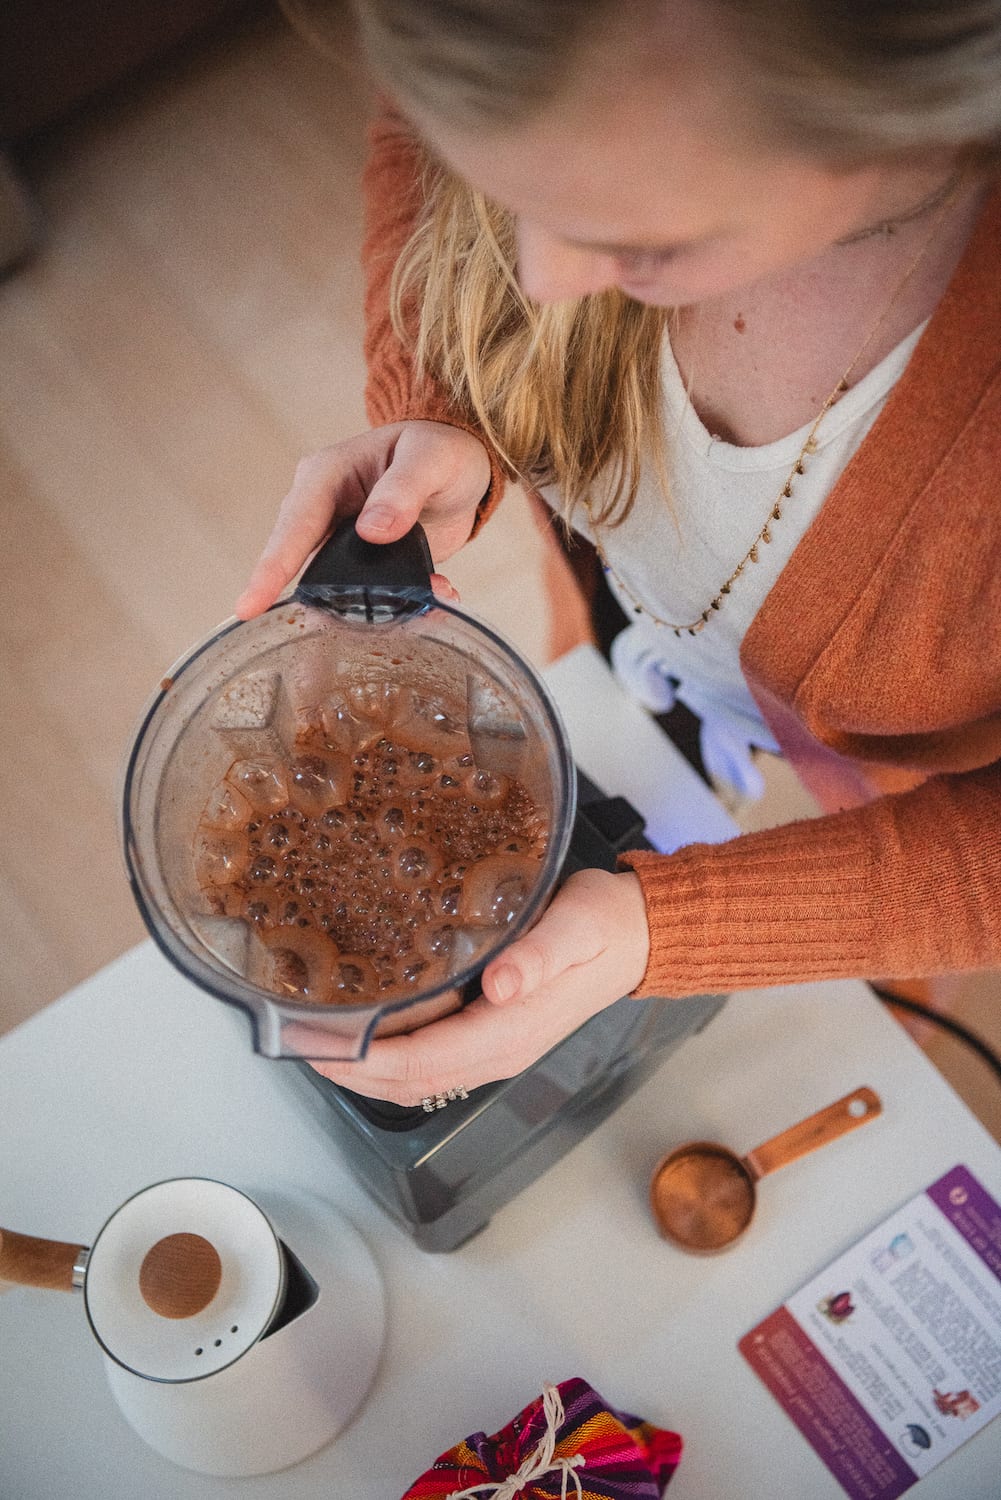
point(692, 627)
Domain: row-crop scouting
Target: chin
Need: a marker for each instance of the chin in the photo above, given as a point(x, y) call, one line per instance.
point(650, 296)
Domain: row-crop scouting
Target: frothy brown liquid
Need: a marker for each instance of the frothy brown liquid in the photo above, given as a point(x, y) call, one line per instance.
point(371, 862)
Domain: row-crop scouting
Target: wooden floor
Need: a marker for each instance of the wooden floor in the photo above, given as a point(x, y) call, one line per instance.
point(189, 328)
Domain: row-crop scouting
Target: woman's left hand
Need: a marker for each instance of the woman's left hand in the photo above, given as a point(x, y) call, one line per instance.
point(588, 949)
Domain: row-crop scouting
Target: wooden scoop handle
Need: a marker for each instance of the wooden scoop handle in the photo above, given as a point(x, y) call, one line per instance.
point(817, 1130)
point(32, 1262)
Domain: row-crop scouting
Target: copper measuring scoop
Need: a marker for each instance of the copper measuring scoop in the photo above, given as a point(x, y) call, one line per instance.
point(703, 1195)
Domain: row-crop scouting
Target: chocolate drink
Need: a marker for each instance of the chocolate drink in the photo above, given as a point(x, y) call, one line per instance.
point(375, 859)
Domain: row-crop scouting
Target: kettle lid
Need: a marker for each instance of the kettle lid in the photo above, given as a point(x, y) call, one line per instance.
point(183, 1279)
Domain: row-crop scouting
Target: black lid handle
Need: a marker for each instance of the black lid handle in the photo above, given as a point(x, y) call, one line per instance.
point(353, 576)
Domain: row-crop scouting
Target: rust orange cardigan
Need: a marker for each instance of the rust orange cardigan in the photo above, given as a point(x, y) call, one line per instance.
point(875, 658)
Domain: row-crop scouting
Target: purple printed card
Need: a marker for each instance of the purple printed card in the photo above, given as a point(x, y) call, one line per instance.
point(891, 1358)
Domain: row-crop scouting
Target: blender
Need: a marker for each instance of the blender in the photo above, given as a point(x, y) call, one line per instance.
point(383, 683)
point(364, 661)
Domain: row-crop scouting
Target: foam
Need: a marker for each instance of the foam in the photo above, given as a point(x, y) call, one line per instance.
point(369, 855)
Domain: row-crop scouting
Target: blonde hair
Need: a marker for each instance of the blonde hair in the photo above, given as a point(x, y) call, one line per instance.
point(567, 393)
point(570, 393)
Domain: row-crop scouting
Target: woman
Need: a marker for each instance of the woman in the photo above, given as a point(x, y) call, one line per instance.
point(789, 475)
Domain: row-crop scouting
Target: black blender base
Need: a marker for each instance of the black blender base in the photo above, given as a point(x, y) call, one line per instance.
point(443, 1178)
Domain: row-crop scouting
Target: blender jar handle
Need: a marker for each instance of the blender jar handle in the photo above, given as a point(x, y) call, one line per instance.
point(353, 576)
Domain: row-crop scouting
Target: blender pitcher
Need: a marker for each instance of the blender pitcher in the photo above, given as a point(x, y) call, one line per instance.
point(336, 814)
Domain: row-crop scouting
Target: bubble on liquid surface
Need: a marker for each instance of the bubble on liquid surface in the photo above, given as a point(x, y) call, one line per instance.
point(441, 941)
point(353, 976)
point(318, 783)
point(227, 807)
point(263, 870)
point(449, 900)
point(496, 888)
point(416, 863)
point(392, 821)
point(263, 783)
point(259, 911)
point(300, 966)
point(220, 858)
point(487, 789)
point(291, 974)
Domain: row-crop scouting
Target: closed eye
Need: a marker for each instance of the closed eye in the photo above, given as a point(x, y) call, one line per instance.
point(642, 262)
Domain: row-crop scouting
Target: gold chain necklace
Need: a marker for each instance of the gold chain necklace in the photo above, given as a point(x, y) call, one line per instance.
point(890, 226)
point(809, 447)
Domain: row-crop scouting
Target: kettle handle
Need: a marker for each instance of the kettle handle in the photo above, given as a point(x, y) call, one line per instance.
point(346, 566)
point(28, 1261)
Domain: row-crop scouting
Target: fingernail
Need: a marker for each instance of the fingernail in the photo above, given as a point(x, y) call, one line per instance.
point(379, 518)
point(505, 982)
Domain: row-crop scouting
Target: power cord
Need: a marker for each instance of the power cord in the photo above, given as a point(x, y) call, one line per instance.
point(954, 1028)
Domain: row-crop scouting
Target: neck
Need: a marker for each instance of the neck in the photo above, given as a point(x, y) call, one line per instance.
point(760, 362)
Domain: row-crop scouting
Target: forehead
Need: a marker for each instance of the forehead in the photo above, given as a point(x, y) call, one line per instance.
point(624, 140)
point(658, 100)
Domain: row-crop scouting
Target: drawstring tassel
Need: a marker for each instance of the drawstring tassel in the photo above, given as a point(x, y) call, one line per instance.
point(537, 1465)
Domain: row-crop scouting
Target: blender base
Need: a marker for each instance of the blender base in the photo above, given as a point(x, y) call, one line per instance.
point(442, 1176)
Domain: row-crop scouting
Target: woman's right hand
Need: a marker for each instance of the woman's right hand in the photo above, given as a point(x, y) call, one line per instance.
point(389, 478)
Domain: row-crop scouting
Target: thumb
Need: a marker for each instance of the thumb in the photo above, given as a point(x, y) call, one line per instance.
point(437, 474)
point(564, 936)
point(394, 503)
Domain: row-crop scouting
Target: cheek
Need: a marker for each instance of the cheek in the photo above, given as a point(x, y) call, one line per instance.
point(739, 261)
point(779, 218)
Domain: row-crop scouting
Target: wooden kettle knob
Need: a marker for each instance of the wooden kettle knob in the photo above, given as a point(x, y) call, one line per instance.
point(180, 1275)
point(28, 1261)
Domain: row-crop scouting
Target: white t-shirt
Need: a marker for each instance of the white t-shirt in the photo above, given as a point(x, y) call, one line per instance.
point(675, 563)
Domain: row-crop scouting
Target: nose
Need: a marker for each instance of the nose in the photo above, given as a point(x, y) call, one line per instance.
point(550, 270)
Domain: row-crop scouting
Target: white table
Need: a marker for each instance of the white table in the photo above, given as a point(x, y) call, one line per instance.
point(136, 1076)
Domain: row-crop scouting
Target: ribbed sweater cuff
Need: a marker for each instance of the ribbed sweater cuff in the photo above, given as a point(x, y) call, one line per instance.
point(883, 891)
point(725, 917)
point(904, 886)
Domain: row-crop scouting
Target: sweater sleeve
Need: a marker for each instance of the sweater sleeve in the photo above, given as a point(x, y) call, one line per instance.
point(391, 189)
point(907, 886)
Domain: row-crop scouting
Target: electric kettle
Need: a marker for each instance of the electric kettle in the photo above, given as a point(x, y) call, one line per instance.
point(235, 1341)
point(361, 720)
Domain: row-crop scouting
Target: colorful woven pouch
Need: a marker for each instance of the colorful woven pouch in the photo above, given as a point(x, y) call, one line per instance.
point(567, 1444)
